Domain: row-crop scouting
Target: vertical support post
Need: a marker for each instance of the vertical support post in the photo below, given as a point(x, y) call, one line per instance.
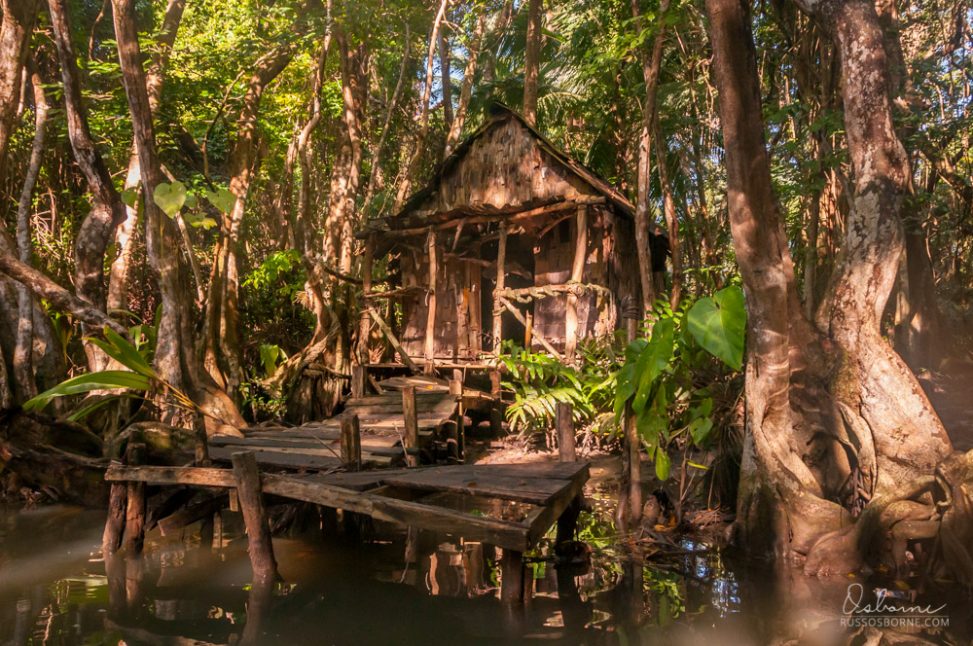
point(259, 546)
point(430, 340)
point(134, 535)
point(567, 452)
point(501, 285)
point(358, 380)
point(351, 443)
point(630, 501)
point(577, 275)
point(365, 320)
point(111, 539)
point(456, 389)
point(565, 433)
point(201, 448)
point(411, 438)
point(514, 589)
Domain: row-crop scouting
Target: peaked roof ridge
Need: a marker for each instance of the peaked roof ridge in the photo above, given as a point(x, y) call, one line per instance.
point(498, 113)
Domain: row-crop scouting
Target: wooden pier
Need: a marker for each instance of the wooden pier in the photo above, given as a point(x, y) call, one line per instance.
point(511, 506)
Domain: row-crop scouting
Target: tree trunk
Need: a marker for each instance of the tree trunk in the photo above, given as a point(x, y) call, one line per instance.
point(375, 152)
point(445, 75)
point(651, 62)
point(224, 353)
point(118, 280)
point(176, 358)
point(532, 59)
point(412, 168)
point(107, 209)
point(24, 349)
point(825, 444)
point(466, 91)
point(672, 219)
point(17, 22)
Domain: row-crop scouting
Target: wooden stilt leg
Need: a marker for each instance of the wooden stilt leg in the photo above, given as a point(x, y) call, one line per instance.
point(514, 585)
point(111, 540)
point(410, 419)
point(260, 547)
point(134, 535)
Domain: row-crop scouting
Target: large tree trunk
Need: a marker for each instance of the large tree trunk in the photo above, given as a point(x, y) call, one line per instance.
point(532, 59)
point(107, 209)
point(118, 280)
point(17, 21)
point(311, 396)
point(826, 443)
point(176, 358)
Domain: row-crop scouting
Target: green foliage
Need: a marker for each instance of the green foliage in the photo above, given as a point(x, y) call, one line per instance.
point(138, 381)
point(718, 324)
point(657, 383)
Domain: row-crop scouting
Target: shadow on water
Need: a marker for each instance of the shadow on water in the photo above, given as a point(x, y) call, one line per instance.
point(406, 587)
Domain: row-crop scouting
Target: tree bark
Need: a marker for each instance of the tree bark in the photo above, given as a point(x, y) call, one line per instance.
point(651, 63)
point(445, 75)
point(669, 212)
point(107, 209)
point(224, 353)
point(375, 152)
point(825, 443)
point(532, 59)
point(466, 90)
point(23, 351)
point(15, 29)
point(412, 168)
point(175, 357)
point(118, 280)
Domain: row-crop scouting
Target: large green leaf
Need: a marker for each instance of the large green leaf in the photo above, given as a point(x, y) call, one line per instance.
point(222, 199)
point(170, 197)
point(104, 380)
point(652, 361)
point(719, 325)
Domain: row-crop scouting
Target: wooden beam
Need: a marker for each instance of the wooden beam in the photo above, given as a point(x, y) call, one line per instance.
point(577, 275)
point(411, 438)
point(387, 331)
point(463, 219)
point(429, 345)
point(537, 335)
point(249, 491)
point(499, 287)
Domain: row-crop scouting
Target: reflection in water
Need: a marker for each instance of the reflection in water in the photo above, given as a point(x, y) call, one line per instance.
point(403, 587)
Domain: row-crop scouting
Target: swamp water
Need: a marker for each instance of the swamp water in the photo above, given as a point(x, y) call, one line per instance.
point(54, 589)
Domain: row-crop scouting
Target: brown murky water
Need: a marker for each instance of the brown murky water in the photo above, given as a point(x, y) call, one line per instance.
point(397, 588)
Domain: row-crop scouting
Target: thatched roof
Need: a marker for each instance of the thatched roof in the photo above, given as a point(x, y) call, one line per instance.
point(505, 167)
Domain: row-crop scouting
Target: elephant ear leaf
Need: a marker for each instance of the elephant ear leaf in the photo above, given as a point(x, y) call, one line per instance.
point(719, 325)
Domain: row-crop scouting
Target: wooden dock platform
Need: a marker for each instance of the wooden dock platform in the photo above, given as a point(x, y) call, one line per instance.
point(511, 506)
point(384, 423)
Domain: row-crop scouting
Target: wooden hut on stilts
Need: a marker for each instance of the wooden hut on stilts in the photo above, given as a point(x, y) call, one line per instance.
point(512, 239)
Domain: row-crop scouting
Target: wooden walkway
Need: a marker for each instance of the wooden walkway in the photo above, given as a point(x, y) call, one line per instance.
point(388, 436)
